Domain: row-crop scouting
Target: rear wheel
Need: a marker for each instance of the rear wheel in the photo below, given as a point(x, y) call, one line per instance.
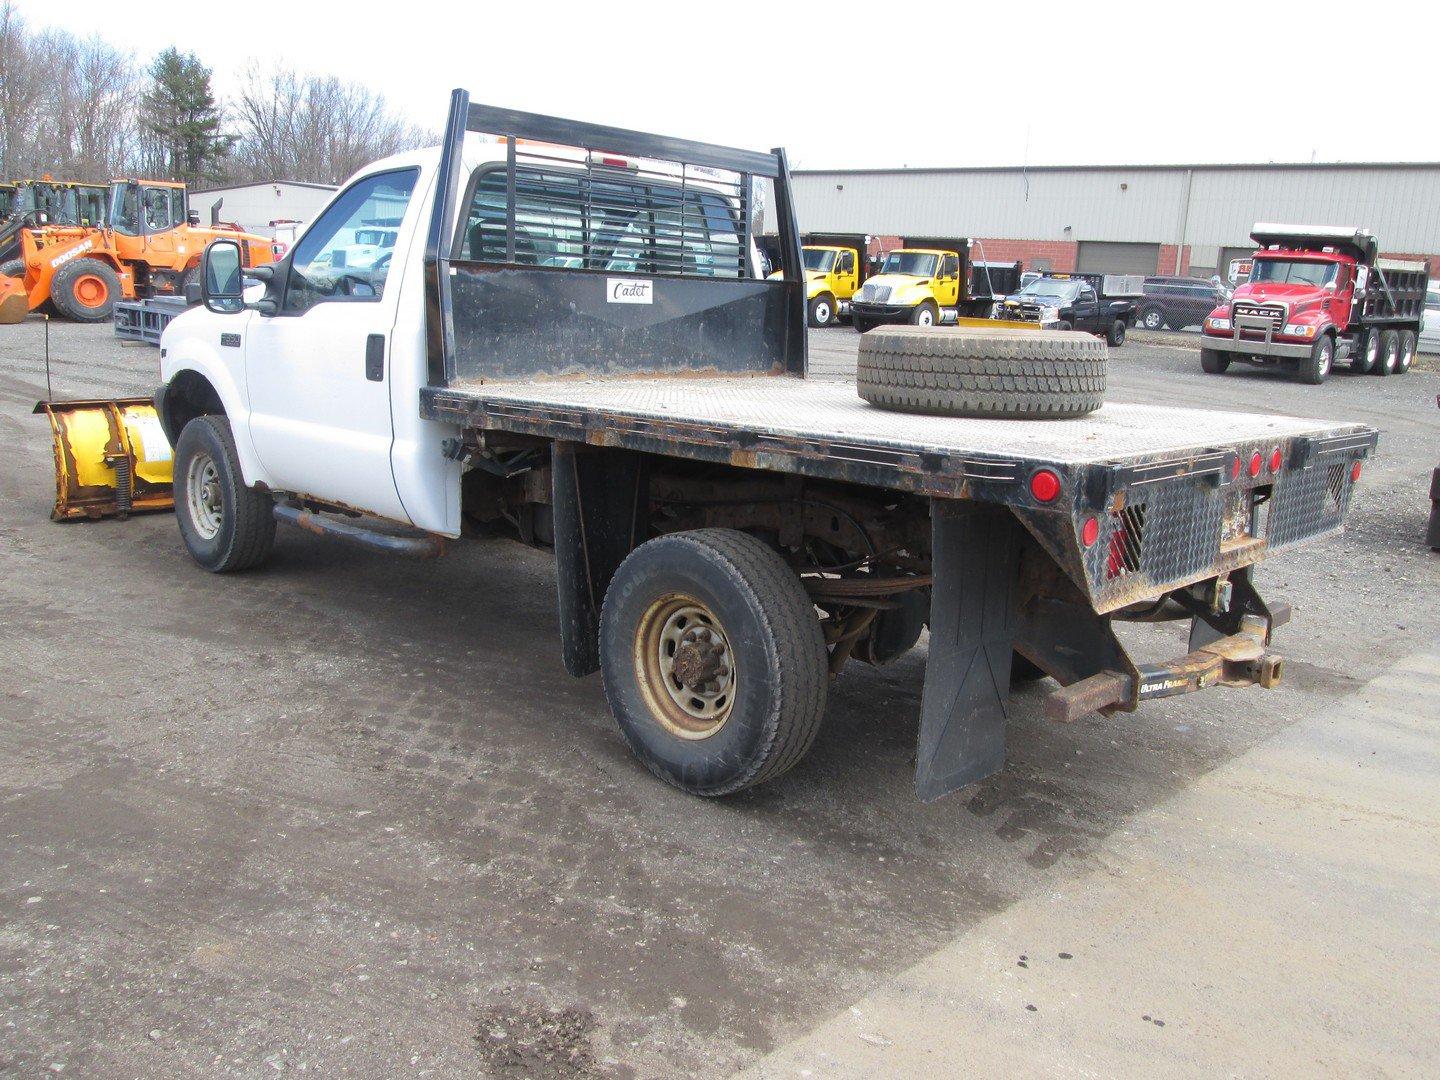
point(714, 661)
point(85, 290)
point(1389, 362)
point(1116, 336)
point(1406, 355)
point(1214, 362)
point(1315, 368)
point(225, 525)
point(822, 310)
point(926, 314)
point(1152, 318)
point(1367, 353)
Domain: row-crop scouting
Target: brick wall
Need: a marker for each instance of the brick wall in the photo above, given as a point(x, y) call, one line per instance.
point(1060, 254)
point(1174, 262)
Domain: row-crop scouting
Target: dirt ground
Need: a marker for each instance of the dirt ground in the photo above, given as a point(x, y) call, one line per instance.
point(348, 815)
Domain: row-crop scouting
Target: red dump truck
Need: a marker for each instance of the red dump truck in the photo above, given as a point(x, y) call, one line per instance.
point(1315, 295)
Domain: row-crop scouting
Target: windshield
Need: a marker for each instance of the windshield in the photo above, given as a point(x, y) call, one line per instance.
point(913, 263)
point(1293, 271)
point(818, 259)
point(1050, 289)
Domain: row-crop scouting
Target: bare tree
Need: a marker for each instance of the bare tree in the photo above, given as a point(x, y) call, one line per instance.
point(316, 128)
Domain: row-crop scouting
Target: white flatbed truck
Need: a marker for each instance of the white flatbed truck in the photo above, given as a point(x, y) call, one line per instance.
point(573, 342)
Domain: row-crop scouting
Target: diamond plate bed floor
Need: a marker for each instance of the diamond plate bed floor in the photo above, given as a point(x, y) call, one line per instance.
point(780, 405)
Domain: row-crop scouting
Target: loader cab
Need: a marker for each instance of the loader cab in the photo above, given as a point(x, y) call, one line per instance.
point(147, 207)
point(7, 200)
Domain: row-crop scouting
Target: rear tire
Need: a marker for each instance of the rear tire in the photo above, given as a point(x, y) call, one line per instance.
point(1315, 368)
point(226, 526)
point(1389, 361)
point(85, 290)
point(1116, 336)
point(1152, 318)
point(1408, 343)
point(713, 658)
point(1214, 362)
point(1367, 353)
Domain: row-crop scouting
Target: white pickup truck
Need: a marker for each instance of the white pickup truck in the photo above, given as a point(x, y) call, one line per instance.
point(573, 341)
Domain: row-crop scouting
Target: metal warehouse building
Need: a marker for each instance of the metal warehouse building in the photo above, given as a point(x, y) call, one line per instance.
point(1185, 219)
point(256, 207)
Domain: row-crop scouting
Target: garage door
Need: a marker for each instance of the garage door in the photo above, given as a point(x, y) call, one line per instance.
point(1099, 257)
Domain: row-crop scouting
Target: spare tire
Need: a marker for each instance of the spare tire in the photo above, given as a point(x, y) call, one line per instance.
point(1019, 374)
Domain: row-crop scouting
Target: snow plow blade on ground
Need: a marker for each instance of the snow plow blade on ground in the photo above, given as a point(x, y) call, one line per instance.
point(111, 458)
point(14, 305)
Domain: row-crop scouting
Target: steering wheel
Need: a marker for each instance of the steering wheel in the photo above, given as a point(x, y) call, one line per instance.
point(351, 285)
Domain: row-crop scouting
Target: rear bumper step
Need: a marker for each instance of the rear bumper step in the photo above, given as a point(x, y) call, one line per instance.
point(1238, 660)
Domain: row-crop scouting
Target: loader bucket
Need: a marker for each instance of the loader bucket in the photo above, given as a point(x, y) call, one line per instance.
point(111, 458)
point(14, 303)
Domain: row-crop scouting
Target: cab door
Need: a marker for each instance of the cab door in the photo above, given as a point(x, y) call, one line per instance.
point(845, 277)
point(1087, 310)
point(947, 284)
point(318, 370)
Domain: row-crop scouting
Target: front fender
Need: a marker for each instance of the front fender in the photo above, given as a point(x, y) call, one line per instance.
point(192, 347)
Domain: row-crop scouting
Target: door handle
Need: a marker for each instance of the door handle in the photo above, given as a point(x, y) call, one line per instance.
point(375, 358)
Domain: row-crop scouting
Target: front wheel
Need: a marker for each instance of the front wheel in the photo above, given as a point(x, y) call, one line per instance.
point(863, 326)
point(85, 290)
point(1214, 362)
point(1315, 368)
point(925, 314)
point(821, 312)
point(225, 525)
point(1116, 336)
point(714, 661)
point(12, 268)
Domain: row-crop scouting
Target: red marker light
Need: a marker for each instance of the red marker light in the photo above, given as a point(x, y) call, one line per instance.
point(1255, 461)
point(1090, 531)
point(1355, 472)
point(1045, 486)
point(1276, 461)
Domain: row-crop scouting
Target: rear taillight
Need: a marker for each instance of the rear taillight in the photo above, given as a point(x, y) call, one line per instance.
point(1255, 462)
point(1045, 486)
point(1276, 461)
point(1355, 472)
point(1090, 532)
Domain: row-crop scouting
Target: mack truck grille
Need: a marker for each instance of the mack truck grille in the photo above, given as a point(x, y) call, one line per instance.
point(1272, 314)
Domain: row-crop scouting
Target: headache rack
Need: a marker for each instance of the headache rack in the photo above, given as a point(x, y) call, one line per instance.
point(581, 249)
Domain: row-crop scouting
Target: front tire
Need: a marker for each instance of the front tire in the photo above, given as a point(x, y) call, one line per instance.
point(1315, 368)
point(85, 290)
point(1116, 336)
point(713, 659)
point(1214, 362)
point(862, 326)
point(12, 268)
point(925, 314)
point(226, 526)
point(821, 311)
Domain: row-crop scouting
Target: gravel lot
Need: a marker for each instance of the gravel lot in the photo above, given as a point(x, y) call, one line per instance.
point(347, 814)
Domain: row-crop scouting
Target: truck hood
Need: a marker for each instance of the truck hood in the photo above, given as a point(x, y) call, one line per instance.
point(1279, 292)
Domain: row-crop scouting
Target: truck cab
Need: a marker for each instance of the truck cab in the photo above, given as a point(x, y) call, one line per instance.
point(835, 268)
point(1315, 295)
point(919, 286)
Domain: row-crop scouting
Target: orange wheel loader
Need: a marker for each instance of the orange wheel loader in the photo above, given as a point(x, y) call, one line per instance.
point(150, 246)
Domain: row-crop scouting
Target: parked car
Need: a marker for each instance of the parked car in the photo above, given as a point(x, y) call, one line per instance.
point(1430, 328)
point(1177, 302)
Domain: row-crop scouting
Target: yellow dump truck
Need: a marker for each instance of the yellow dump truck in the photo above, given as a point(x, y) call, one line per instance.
point(835, 268)
point(927, 282)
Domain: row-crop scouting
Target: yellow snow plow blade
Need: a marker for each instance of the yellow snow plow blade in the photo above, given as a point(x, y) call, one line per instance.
point(14, 304)
point(997, 324)
point(111, 458)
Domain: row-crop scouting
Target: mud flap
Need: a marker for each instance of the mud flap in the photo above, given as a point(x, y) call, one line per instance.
point(975, 556)
point(599, 502)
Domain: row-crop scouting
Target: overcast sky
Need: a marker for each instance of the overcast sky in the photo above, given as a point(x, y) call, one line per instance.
point(862, 85)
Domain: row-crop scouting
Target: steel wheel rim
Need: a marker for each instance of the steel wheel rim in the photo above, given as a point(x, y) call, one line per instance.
point(822, 313)
point(91, 291)
point(925, 318)
point(202, 496)
point(685, 667)
point(1392, 358)
point(1372, 351)
point(1152, 321)
point(1327, 354)
point(1406, 356)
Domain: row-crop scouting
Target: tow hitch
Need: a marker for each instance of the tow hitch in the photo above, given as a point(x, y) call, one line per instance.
point(1238, 660)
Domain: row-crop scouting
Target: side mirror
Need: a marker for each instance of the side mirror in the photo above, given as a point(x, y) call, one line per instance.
point(221, 286)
